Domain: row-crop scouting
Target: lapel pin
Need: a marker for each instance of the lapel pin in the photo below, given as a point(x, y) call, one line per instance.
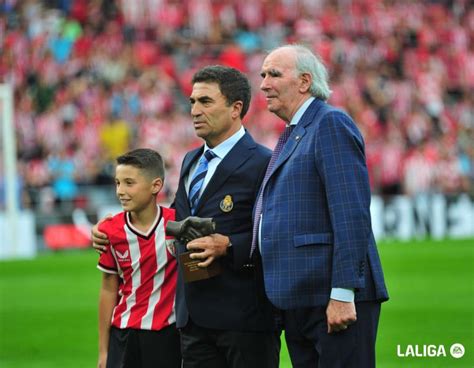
point(227, 204)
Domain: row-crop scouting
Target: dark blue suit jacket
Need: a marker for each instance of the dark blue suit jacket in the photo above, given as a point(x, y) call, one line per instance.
point(316, 230)
point(235, 299)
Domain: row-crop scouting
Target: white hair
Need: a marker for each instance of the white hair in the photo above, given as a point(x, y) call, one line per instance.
point(309, 62)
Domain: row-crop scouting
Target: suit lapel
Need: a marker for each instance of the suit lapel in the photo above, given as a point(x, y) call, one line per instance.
point(240, 153)
point(181, 195)
point(298, 133)
point(188, 162)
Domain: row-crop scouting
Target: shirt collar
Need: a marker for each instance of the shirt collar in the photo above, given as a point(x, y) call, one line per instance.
point(222, 149)
point(301, 111)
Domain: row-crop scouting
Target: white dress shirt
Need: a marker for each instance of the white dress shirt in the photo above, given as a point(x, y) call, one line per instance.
point(221, 150)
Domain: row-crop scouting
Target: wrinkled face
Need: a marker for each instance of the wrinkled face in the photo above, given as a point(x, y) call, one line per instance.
point(213, 120)
point(281, 83)
point(135, 190)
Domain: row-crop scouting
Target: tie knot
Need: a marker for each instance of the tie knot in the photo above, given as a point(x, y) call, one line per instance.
point(208, 155)
point(285, 135)
point(288, 130)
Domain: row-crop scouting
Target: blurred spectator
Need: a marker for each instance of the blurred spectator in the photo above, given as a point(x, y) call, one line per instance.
point(62, 170)
point(115, 137)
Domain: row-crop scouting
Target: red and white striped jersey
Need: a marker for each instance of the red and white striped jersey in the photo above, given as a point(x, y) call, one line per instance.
point(147, 272)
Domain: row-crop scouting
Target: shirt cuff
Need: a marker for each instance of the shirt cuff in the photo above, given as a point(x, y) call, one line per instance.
point(342, 295)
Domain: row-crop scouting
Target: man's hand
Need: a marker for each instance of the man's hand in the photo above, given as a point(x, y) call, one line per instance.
point(340, 315)
point(209, 248)
point(100, 240)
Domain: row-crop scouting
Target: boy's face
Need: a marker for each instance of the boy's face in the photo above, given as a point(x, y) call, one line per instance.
point(134, 189)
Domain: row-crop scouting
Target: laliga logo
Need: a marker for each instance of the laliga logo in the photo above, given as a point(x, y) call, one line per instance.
point(457, 350)
point(417, 351)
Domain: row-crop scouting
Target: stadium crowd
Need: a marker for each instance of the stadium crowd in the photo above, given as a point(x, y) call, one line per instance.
point(95, 78)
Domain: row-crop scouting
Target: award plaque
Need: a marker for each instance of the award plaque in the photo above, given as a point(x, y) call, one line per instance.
point(189, 229)
point(191, 270)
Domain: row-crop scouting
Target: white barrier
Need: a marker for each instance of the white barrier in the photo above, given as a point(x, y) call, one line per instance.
point(436, 216)
point(18, 238)
point(433, 216)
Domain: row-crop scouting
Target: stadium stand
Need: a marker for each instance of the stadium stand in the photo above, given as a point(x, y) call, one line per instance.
point(95, 78)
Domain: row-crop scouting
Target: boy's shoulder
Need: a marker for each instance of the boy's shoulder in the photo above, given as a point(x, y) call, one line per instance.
point(115, 223)
point(169, 214)
point(118, 221)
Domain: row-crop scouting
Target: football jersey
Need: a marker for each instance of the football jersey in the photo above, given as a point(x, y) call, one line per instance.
point(147, 271)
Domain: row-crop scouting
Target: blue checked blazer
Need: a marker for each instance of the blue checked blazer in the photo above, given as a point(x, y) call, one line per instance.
point(316, 229)
point(235, 299)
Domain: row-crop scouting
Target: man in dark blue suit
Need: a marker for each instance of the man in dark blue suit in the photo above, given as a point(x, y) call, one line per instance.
point(226, 320)
point(312, 222)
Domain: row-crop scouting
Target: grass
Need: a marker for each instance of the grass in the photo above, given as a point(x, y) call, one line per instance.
point(432, 301)
point(48, 306)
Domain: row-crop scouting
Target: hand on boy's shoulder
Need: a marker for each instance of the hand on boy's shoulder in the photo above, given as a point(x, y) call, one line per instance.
point(99, 239)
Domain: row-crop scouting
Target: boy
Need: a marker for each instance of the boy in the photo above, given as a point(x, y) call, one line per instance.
point(136, 304)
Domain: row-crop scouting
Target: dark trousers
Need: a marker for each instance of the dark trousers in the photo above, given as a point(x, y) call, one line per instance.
point(204, 347)
point(310, 345)
point(129, 348)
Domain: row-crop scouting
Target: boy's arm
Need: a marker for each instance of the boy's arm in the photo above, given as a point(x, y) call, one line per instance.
point(107, 302)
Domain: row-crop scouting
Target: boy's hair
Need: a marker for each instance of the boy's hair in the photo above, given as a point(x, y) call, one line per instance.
point(145, 159)
point(233, 85)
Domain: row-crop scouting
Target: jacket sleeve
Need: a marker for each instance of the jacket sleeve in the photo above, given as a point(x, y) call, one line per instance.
point(341, 164)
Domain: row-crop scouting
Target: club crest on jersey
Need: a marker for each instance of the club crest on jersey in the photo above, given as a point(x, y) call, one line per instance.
point(122, 257)
point(227, 204)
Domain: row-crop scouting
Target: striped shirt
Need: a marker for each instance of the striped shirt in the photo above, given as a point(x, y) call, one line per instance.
point(147, 272)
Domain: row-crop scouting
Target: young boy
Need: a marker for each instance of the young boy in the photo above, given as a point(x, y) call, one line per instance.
point(136, 305)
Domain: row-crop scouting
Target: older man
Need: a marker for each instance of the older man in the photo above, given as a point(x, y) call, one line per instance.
point(312, 221)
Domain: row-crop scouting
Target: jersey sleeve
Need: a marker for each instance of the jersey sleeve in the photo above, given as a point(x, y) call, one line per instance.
point(107, 261)
point(168, 215)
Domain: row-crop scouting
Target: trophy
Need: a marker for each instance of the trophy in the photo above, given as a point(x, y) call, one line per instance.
point(186, 230)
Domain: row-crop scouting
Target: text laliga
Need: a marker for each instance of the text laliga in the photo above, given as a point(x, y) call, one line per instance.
point(421, 351)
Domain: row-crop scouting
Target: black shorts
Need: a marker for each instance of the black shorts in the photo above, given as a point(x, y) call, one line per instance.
point(129, 348)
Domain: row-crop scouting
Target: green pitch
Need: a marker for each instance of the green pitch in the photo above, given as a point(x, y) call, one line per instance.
point(48, 307)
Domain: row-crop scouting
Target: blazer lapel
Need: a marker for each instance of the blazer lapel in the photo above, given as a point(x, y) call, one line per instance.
point(181, 195)
point(298, 133)
point(235, 158)
point(188, 162)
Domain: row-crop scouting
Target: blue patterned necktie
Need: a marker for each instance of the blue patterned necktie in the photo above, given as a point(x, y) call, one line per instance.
point(198, 179)
point(258, 206)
